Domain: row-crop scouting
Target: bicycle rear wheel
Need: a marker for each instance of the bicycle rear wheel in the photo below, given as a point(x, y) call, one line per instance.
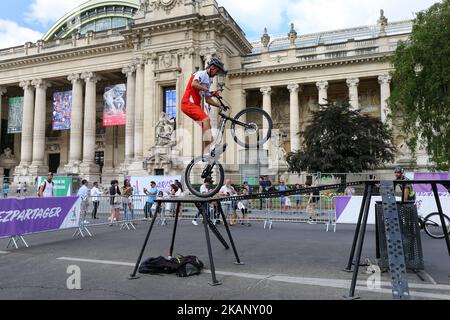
point(258, 130)
point(196, 173)
point(433, 225)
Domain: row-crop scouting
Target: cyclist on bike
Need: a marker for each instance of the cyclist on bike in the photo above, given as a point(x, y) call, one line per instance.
point(408, 193)
point(198, 87)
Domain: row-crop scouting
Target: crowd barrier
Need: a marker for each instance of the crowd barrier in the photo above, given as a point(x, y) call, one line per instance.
point(294, 209)
point(98, 211)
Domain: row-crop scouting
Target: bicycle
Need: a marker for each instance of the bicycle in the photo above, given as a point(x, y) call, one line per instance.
point(433, 226)
point(245, 129)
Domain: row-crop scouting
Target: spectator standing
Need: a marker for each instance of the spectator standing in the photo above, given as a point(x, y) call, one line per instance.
point(115, 201)
point(5, 189)
point(19, 189)
point(204, 188)
point(314, 197)
point(349, 191)
point(25, 188)
point(244, 205)
point(174, 192)
point(228, 190)
point(83, 194)
point(95, 193)
point(283, 187)
point(127, 193)
point(298, 198)
point(47, 186)
point(152, 193)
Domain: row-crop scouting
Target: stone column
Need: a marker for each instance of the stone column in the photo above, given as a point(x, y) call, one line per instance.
point(88, 167)
point(294, 116)
point(353, 84)
point(129, 71)
point(27, 129)
point(267, 106)
point(139, 112)
point(323, 91)
point(76, 131)
point(385, 89)
point(2, 92)
point(37, 166)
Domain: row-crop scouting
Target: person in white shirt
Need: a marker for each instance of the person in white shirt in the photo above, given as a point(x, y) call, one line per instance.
point(83, 194)
point(204, 188)
point(226, 191)
point(46, 187)
point(95, 193)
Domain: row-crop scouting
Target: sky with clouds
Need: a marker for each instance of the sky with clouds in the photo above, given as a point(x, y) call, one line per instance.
point(28, 20)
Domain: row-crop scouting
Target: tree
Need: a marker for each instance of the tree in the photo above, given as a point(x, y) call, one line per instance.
point(421, 79)
point(341, 140)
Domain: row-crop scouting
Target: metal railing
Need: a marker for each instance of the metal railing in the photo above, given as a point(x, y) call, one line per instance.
point(293, 209)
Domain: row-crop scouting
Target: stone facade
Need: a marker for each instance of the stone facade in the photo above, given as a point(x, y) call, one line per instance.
point(168, 41)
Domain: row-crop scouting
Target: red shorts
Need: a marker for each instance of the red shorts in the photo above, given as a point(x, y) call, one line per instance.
point(193, 111)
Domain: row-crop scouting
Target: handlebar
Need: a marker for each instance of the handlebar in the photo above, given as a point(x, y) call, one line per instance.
point(220, 98)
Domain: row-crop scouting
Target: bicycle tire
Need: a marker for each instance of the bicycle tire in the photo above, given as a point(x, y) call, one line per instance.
point(427, 225)
point(189, 175)
point(262, 140)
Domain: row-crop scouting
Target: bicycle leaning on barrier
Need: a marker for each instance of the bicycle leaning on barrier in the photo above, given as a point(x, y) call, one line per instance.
point(245, 129)
point(432, 225)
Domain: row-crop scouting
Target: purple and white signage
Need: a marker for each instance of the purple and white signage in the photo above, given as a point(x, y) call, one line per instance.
point(26, 216)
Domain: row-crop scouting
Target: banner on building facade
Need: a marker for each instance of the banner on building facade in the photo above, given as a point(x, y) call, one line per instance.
point(115, 107)
point(62, 110)
point(32, 215)
point(15, 106)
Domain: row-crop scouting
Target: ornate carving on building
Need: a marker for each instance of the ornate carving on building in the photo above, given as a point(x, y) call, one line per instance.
point(265, 38)
point(164, 153)
point(165, 132)
point(8, 159)
point(53, 148)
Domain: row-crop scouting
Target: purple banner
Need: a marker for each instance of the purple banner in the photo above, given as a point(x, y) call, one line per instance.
point(340, 203)
point(25, 216)
point(426, 188)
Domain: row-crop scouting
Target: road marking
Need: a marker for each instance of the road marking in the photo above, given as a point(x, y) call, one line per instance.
point(320, 282)
point(4, 252)
point(115, 263)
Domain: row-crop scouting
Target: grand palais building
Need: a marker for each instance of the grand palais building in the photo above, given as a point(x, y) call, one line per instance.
point(88, 98)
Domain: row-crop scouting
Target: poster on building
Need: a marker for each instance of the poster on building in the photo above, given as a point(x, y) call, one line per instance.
point(115, 108)
point(62, 110)
point(15, 106)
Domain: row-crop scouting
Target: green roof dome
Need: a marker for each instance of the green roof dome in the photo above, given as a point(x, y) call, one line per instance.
point(94, 15)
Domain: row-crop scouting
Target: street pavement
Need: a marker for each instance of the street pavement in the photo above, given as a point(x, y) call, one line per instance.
point(291, 261)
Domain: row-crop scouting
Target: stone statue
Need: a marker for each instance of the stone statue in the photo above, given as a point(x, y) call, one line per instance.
point(164, 131)
point(7, 159)
point(7, 154)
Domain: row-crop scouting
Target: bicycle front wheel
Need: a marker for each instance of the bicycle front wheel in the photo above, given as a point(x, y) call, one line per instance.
point(433, 225)
point(253, 128)
point(198, 171)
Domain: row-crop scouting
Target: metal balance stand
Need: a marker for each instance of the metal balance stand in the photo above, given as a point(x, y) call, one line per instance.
point(396, 257)
point(203, 207)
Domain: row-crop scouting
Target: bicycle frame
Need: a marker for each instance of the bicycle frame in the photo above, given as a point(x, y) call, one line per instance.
point(223, 122)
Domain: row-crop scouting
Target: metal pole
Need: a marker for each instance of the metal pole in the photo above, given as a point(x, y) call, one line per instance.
point(360, 244)
point(238, 261)
point(358, 228)
point(441, 215)
point(175, 229)
point(133, 275)
point(208, 243)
